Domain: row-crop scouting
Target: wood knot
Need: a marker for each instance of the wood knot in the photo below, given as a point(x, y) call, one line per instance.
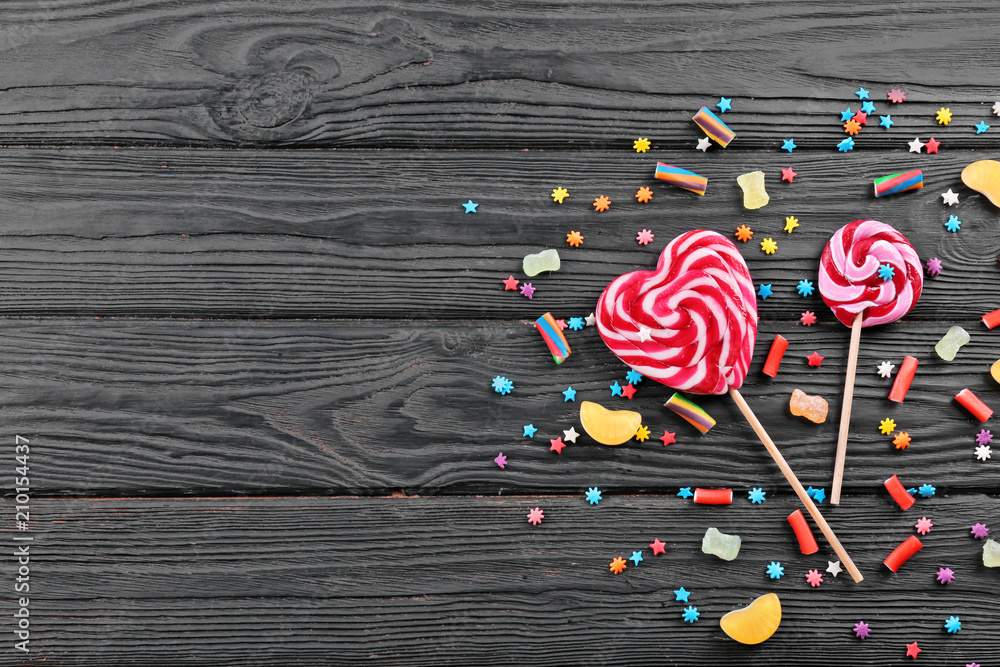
point(264, 106)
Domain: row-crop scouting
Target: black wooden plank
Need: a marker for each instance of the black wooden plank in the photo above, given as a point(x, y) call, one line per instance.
point(541, 74)
point(466, 580)
point(177, 407)
point(382, 234)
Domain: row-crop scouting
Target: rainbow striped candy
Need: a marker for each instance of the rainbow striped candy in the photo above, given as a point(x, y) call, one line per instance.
point(682, 178)
point(716, 130)
point(901, 182)
point(691, 412)
point(553, 337)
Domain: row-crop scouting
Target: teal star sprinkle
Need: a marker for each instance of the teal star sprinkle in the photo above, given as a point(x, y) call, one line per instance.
point(529, 431)
point(633, 377)
point(846, 115)
point(819, 496)
point(636, 557)
point(926, 490)
point(868, 107)
point(593, 495)
point(805, 287)
point(685, 492)
point(681, 595)
point(576, 323)
point(953, 624)
point(788, 145)
point(690, 614)
point(862, 93)
point(724, 105)
point(886, 272)
point(953, 224)
point(470, 206)
point(502, 385)
point(886, 121)
point(756, 495)
point(775, 571)
point(570, 394)
point(846, 145)
point(616, 389)
point(981, 127)
point(765, 291)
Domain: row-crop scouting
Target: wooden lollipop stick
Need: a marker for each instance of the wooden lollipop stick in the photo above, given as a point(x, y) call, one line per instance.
point(796, 485)
point(845, 411)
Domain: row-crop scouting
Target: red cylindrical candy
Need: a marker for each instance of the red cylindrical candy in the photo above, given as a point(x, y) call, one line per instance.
point(713, 496)
point(778, 348)
point(903, 379)
point(898, 493)
point(971, 402)
point(991, 319)
point(807, 543)
point(903, 552)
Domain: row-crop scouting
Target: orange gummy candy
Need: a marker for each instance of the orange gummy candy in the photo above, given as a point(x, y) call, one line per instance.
point(813, 408)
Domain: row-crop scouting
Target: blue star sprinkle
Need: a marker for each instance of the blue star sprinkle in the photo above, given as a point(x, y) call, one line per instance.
point(912, 492)
point(636, 557)
point(470, 206)
point(926, 490)
point(862, 93)
point(616, 389)
point(788, 145)
point(819, 496)
point(502, 385)
point(765, 291)
point(846, 115)
point(805, 287)
point(953, 624)
point(576, 323)
point(633, 377)
point(885, 121)
point(953, 224)
point(529, 431)
point(685, 493)
point(846, 145)
point(981, 127)
point(775, 571)
point(681, 595)
point(886, 272)
point(868, 107)
point(690, 614)
point(724, 105)
point(756, 495)
point(570, 394)
point(593, 495)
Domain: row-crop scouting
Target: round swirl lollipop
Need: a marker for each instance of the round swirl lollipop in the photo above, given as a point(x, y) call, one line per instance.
point(691, 324)
point(869, 274)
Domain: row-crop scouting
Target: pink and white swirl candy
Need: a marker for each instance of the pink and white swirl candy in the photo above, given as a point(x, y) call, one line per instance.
point(849, 278)
point(691, 324)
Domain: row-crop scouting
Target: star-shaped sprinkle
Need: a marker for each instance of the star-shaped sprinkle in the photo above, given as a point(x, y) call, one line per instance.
point(852, 127)
point(933, 266)
point(885, 370)
point(945, 575)
point(833, 567)
point(641, 145)
point(616, 389)
point(593, 495)
point(570, 394)
point(628, 391)
point(932, 145)
point(788, 145)
point(953, 224)
point(885, 121)
point(819, 496)
point(886, 272)
point(744, 233)
point(984, 437)
point(559, 194)
point(703, 144)
point(756, 495)
point(681, 595)
point(953, 624)
point(644, 237)
point(590, 320)
point(561, 324)
point(658, 547)
point(645, 334)
point(996, 108)
point(644, 194)
point(846, 145)
point(527, 289)
point(862, 93)
point(868, 107)
point(983, 452)
point(896, 95)
point(642, 435)
point(685, 492)
point(926, 490)
point(617, 565)
point(502, 385)
point(501, 460)
point(602, 203)
point(633, 376)
point(972, 664)
point(529, 431)
point(815, 359)
point(788, 174)
point(668, 438)
point(912, 650)
point(916, 145)
point(923, 525)
point(775, 571)
point(636, 557)
point(535, 516)
point(470, 206)
point(571, 435)
point(510, 283)
point(943, 115)
point(862, 118)
point(814, 578)
point(861, 630)
point(902, 440)
point(574, 238)
point(981, 127)
point(805, 288)
point(950, 198)
point(979, 531)
point(768, 245)
point(808, 318)
point(764, 291)
point(724, 105)
point(846, 114)
point(791, 222)
point(887, 425)
point(576, 323)
point(556, 445)
point(690, 614)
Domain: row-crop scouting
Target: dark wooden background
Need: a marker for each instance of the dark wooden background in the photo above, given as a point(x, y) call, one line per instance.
point(250, 332)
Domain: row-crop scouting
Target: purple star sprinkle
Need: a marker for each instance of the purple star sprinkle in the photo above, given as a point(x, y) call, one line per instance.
point(945, 575)
point(933, 266)
point(861, 630)
point(500, 460)
point(984, 437)
point(980, 531)
point(527, 289)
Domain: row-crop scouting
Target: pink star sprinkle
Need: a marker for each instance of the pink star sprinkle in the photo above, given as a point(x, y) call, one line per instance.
point(562, 324)
point(933, 266)
point(984, 437)
point(980, 531)
point(896, 95)
point(972, 664)
point(808, 318)
point(535, 516)
point(923, 525)
point(861, 630)
point(644, 237)
point(527, 289)
point(945, 575)
point(814, 578)
point(500, 460)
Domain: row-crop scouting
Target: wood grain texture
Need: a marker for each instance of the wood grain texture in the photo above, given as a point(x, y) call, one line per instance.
point(335, 581)
point(267, 234)
point(430, 74)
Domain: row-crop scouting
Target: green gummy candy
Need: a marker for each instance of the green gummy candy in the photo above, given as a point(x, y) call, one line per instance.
point(991, 554)
point(949, 344)
point(726, 547)
point(547, 260)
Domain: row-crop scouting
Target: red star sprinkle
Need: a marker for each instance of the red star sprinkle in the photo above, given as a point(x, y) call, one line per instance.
point(808, 318)
point(658, 547)
point(912, 650)
point(896, 95)
point(788, 174)
point(932, 145)
point(510, 283)
point(562, 324)
point(668, 438)
point(628, 391)
point(861, 117)
point(644, 237)
point(557, 445)
point(815, 359)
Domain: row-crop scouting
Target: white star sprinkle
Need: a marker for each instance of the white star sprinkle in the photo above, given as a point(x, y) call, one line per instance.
point(996, 108)
point(950, 198)
point(833, 567)
point(645, 334)
point(885, 369)
point(983, 452)
point(916, 145)
point(704, 143)
point(570, 435)
point(590, 320)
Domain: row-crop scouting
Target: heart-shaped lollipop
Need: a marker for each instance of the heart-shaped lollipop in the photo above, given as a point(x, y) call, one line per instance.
point(691, 324)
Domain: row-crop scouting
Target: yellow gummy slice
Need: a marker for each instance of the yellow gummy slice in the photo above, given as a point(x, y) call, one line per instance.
point(754, 623)
point(609, 427)
point(754, 195)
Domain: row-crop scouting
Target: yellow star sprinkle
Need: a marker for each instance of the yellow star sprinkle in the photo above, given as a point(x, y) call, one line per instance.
point(641, 145)
point(559, 194)
point(944, 115)
point(642, 435)
point(887, 426)
point(791, 222)
point(768, 246)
